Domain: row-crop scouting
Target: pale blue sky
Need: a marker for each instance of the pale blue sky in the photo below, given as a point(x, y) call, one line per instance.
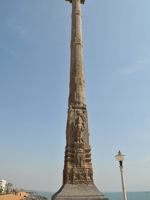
point(34, 86)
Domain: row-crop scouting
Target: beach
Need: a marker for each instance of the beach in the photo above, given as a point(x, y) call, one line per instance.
point(14, 197)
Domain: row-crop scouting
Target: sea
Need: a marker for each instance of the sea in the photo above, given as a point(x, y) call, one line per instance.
point(111, 195)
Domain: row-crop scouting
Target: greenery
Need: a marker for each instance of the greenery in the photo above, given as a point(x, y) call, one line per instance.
point(8, 187)
point(1, 190)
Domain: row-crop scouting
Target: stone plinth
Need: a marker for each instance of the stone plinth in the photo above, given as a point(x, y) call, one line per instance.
point(79, 192)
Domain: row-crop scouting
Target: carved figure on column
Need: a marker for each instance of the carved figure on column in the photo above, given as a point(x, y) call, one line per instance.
point(79, 127)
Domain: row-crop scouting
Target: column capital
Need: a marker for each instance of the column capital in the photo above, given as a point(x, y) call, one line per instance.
point(82, 1)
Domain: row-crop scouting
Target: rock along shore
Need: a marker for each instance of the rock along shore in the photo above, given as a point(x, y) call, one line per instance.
point(35, 197)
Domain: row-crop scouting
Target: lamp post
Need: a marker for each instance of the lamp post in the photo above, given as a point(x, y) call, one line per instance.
point(121, 158)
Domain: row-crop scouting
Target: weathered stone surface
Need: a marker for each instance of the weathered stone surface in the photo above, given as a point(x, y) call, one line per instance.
point(78, 172)
point(79, 192)
point(35, 197)
point(78, 166)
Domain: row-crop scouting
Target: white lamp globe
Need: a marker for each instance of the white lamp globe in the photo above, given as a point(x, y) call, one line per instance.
point(120, 157)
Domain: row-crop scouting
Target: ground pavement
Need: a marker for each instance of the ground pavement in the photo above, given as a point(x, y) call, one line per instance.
point(14, 197)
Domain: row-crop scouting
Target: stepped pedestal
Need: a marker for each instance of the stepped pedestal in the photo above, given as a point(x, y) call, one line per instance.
point(79, 192)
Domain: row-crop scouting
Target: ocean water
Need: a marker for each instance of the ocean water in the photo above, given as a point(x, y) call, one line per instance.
point(111, 195)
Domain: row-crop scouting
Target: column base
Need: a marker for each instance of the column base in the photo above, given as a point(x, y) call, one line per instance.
point(78, 192)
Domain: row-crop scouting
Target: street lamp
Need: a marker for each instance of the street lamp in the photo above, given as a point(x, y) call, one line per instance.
point(121, 158)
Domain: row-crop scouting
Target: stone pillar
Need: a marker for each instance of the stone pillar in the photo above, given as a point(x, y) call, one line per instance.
point(78, 166)
point(77, 83)
point(78, 172)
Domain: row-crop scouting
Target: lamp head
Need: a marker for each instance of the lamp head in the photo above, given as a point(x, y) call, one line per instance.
point(120, 157)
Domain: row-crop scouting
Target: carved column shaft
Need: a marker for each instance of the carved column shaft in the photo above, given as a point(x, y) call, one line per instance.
point(77, 93)
point(78, 166)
